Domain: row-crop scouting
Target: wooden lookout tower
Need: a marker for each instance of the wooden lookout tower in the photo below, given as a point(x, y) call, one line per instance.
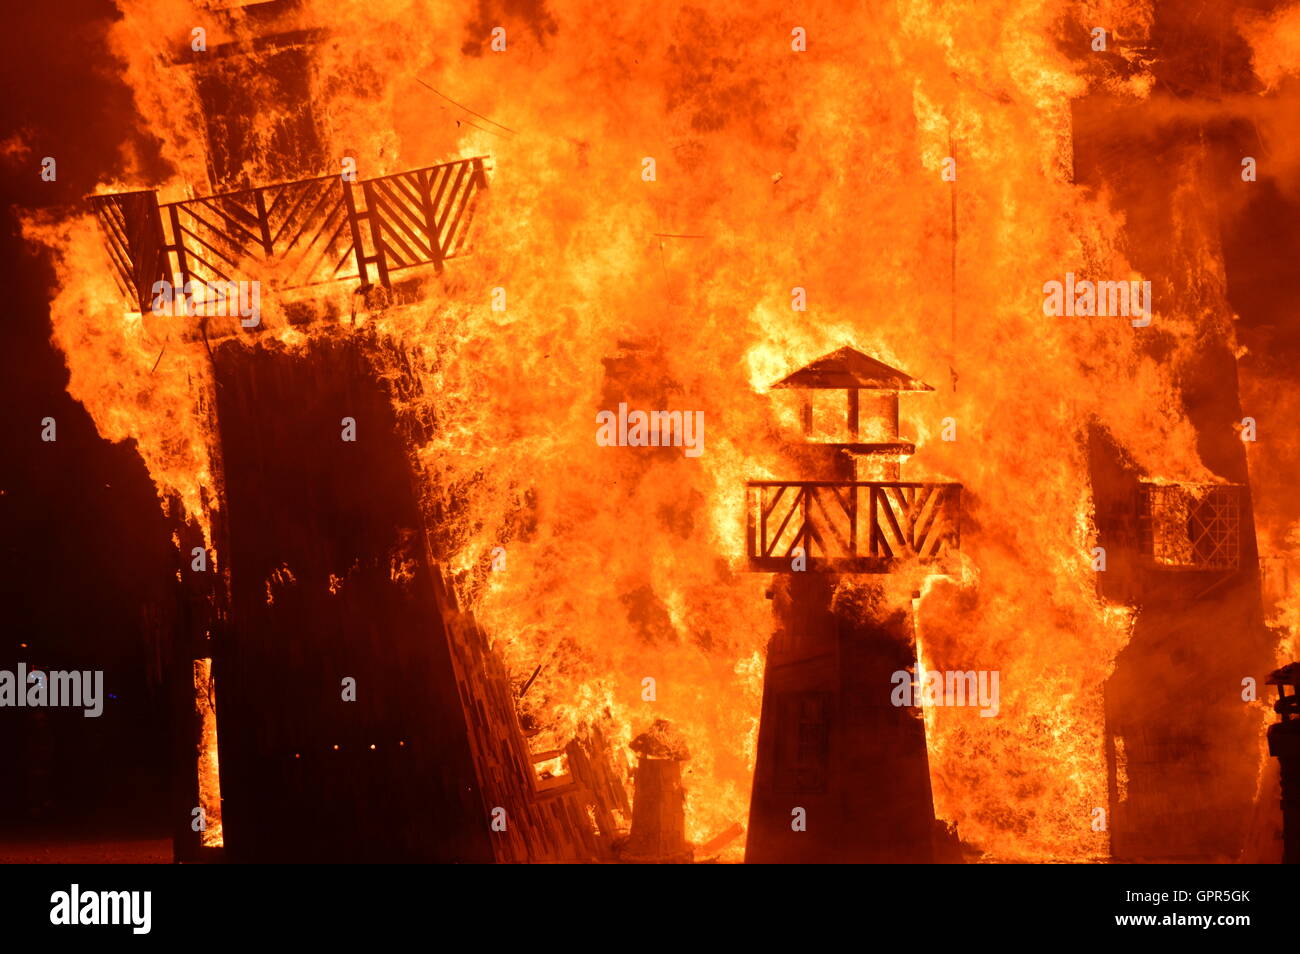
point(842, 775)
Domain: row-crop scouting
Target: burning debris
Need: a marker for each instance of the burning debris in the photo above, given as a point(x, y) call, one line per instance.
point(659, 809)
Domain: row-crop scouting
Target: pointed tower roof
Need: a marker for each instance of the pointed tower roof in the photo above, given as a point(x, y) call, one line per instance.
point(850, 368)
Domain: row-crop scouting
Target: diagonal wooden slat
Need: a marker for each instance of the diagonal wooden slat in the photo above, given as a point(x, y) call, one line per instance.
point(409, 237)
point(443, 176)
point(334, 219)
point(119, 249)
point(297, 246)
point(215, 272)
point(238, 207)
point(447, 234)
point(114, 224)
point(339, 238)
point(457, 243)
point(250, 227)
point(794, 506)
point(405, 213)
point(900, 541)
point(391, 244)
point(927, 529)
point(303, 230)
point(214, 234)
point(190, 250)
point(305, 196)
point(132, 231)
point(450, 201)
point(780, 492)
point(343, 259)
point(410, 186)
point(809, 534)
point(820, 500)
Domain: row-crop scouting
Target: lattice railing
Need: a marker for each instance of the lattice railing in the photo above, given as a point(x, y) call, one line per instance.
point(133, 236)
point(1190, 526)
point(850, 526)
point(293, 234)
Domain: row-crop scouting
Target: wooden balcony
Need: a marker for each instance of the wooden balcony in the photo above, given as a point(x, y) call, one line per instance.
point(850, 526)
point(293, 234)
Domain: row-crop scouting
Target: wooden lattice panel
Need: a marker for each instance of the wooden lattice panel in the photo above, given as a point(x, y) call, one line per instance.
point(1191, 526)
point(850, 525)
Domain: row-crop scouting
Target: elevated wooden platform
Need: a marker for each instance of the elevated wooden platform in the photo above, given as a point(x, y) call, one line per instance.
point(293, 234)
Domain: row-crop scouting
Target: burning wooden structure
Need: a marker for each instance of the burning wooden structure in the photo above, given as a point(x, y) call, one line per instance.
point(1179, 554)
point(658, 815)
point(1179, 548)
point(1079, 430)
point(842, 774)
point(357, 710)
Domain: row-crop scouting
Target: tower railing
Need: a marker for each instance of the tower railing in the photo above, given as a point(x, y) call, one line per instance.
point(293, 234)
point(849, 526)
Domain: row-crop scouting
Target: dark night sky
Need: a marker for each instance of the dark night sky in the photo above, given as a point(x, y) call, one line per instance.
point(85, 547)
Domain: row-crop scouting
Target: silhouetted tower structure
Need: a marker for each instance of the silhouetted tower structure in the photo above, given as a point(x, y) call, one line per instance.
point(328, 556)
point(835, 757)
point(1181, 548)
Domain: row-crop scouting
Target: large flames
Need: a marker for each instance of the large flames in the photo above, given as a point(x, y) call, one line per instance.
point(774, 169)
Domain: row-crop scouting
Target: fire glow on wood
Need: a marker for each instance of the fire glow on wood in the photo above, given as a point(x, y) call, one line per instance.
point(454, 590)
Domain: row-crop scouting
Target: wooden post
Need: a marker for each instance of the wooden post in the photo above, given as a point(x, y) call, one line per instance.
point(179, 247)
point(354, 224)
point(264, 223)
point(376, 231)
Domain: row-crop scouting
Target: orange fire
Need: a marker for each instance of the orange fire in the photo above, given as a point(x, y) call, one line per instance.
point(774, 169)
point(209, 770)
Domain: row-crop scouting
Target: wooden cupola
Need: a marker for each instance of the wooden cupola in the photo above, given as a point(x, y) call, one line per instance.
point(860, 430)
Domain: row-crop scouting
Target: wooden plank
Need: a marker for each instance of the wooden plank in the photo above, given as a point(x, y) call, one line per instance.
point(336, 216)
point(928, 520)
point(396, 251)
point(322, 196)
point(830, 522)
point(750, 524)
point(376, 233)
point(776, 538)
point(451, 201)
point(426, 207)
point(354, 222)
point(179, 247)
point(263, 224)
point(879, 545)
point(398, 211)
